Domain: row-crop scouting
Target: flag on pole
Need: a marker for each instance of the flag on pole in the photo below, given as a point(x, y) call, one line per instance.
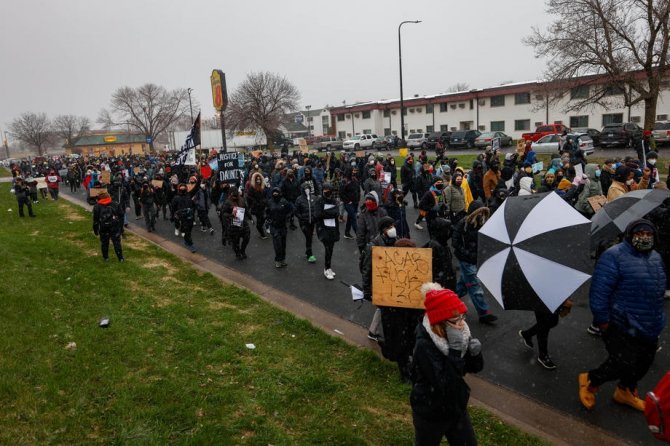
point(192, 140)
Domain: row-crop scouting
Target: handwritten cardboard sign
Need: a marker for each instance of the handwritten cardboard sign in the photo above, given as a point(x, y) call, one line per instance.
point(597, 202)
point(95, 191)
point(105, 177)
point(397, 275)
point(157, 183)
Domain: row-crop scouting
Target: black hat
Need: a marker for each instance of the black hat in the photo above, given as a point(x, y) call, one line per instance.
point(385, 223)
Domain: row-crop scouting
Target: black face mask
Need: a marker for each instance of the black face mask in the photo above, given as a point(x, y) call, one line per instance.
point(327, 193)
point(275, 197)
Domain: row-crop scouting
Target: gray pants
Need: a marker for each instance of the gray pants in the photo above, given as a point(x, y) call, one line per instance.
point(376, 325)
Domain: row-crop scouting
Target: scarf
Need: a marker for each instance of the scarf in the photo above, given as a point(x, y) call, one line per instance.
point(460, 338)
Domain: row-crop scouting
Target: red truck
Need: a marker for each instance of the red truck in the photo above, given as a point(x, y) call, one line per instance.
point(543, 130)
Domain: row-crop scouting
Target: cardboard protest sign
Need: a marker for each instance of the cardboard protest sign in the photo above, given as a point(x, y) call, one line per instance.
point(538, 167)
point(41, 183)
point(597, 202)
point(105, 177)
point(397, 275)
point(95, 191)
point(360, 154)
point(229, 167)
point(157, 183)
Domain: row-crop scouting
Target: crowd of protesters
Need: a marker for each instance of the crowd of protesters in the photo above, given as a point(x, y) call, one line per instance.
point(368, 195)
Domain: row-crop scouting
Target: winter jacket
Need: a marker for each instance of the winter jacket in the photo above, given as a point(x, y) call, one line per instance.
point(328, 234)
point(617, 188)
point(117, 213)
point(407, 177)
point(201, 199)
point(366, 268)
point(370, 185)
point(454, 198)
point(464, 239)
point(350, 192)
point(290, 189)
point(591, 189)
point(278, 211)
point(256, 199)
point(490, 182)
point(368, 226)
point(399, 215)
point(53, 181)
point(183, 208)
point(232, 231)
point(443, 267)
point(627, 290)
point(439, 392)
point(306, 209)
point(147, 196)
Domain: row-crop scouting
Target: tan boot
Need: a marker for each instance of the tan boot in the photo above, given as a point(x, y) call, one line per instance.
point(587, 394)
point(625, 396)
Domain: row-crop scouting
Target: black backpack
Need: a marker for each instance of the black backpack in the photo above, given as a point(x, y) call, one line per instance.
point(108, 218)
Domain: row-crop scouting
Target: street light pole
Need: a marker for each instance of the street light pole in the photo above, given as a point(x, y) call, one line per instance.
point(309, 130)
point(190, 105)
point(6, 145)
point(402, 104)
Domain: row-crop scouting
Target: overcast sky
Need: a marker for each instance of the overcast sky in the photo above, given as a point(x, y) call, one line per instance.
point(68, 56)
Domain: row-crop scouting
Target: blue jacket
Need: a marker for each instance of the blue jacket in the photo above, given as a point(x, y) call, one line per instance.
point(627, 290)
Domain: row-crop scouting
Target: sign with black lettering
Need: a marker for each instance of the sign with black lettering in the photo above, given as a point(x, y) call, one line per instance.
point(397, 275)
point(229, 167)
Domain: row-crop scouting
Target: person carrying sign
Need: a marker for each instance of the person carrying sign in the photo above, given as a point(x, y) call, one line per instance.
point(236, 219)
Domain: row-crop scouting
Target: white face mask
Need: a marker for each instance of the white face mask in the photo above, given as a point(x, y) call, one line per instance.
point(629, 182)
point(391, 233)
point(652, 161)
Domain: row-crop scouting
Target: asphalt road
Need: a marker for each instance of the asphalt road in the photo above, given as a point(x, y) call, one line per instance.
point(507, 362)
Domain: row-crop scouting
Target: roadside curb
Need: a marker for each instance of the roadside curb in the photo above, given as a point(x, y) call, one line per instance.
point(515, 409)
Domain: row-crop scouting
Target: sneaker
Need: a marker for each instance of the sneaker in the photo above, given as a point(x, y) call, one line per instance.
point(328, 275)
point(283, 263)
point(526, 341)
point(373, 337)
point(348, 236)
point(311, 259)
point(546, 362)
point(628, 398)
point(203, 229)
point(192, 249)
point(488, 318)
point(332, 272)
point(176, 233)
point(183, 234)
point(587, 394)
point(264, 237)
point(593, 330)
point(211, 231)
point(418, 226)
point(278, 265)
point(138, 218)
point(122, 259)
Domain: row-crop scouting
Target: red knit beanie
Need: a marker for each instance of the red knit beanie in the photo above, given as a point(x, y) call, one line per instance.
point(442, 305)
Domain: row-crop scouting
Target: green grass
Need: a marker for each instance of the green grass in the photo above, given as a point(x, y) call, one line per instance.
point(4, 172)
point(173, 368)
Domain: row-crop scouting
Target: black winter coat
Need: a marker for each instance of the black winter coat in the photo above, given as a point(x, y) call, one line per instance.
point(464, 241)
point(443, 267)
point(350, 192)
point(407, 177)
point(278, 211)
point(325, 233)
point(232, 231)
point(290, 189)
point(368, 226)
point(306, 210)
point(366, 270)
point(183, 208)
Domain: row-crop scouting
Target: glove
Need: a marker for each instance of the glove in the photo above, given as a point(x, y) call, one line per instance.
point(474, 346)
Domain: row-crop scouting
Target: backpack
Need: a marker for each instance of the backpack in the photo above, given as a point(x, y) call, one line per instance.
point(108, 218)
point(657, 409)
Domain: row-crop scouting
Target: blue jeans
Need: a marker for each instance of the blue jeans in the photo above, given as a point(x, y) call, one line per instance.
point(352, 212)
point(468, 283)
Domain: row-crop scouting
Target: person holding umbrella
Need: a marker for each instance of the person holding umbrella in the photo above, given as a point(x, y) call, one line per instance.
point(624, 182)
point(464, 242)
point(626, 298)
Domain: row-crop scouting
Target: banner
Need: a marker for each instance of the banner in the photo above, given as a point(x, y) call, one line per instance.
point(190, 158)
point(397, 275)
point(187, 151)
point(229, 167)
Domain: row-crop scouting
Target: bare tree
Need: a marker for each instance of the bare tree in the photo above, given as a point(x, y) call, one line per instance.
point(262, 102)
point(149, 109)
point(459, 86)
point(624, 44)
point(71, 128)
point(33, 129)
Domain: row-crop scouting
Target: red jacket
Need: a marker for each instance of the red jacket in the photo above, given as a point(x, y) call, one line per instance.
point(53, 181)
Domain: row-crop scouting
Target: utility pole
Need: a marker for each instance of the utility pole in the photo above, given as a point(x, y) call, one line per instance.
point(6, 145)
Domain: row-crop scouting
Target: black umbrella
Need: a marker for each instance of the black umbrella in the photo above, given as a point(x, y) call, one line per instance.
point(613, 218)
point(534, 253)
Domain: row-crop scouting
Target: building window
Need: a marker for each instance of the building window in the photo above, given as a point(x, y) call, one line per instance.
point(612, 118)
point(661, 117)
point(342, 134)
point(581, 92)
point(419, 130)
point(453, 106)
point(522, 124)
point(444, 128)
point(461, 105)
point(404, 112)
point(366, 115)
point(538, 123)
point(498, 101)
point(613, 90)
point(387, 113)
point(340, 117)
point(579, 121)
point(444, 107)
point(387, 132)
point(472, 104)
point(310, 119)
point(497, 126)
point(635, 119)
point(367, 131)
point(429, 108)
point(522, 98)
point(429, 129)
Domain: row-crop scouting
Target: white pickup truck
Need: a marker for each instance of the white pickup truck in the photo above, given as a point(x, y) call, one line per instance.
point(369, 141)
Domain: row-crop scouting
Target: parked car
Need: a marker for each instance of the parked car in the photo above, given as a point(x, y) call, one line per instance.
point(417, 140)
point(390, 142)
point(434, 137)
point(661, 132)
point(625, 135)
point(593, 133)
point(279, 140)
point(544, 130)
point(368, 141)
point(549, 143)
point(486, 139)
point(328, 143)
point(464, 138)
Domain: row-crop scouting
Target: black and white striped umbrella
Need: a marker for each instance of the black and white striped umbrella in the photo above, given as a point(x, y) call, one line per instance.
point(613, 218)
point(534, 252)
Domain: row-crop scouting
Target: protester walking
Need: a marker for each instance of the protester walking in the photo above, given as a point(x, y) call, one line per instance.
point(328, 226)
point(183, 214)
point(22, 193)
point(236, 217)
point(307, 212)
point(277, 212)
point(107, 224)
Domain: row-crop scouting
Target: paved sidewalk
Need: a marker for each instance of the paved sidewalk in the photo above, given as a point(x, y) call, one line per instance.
point(513, 408)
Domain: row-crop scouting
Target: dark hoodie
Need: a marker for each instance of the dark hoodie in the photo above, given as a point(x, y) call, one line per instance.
point(277, 210)
point(464, 239)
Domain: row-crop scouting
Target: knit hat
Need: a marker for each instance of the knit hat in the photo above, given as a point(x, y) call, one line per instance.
point(385, 223)
point(372, 195)
point(565, 184)
point(103, 195)
point(652, 154)
point(442, 305)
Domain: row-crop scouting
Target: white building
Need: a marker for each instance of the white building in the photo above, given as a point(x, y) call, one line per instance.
point(512, 108)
